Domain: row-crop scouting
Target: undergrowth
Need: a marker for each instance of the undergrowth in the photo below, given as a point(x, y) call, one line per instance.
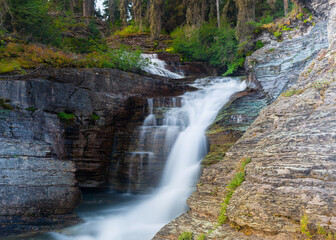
point(320, 234)
point(235, 182)
point(231, 187)
point(18, 57)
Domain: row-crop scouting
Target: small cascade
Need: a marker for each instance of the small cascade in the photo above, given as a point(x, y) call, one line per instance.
point(177, 135)
point(158, 67)
point(153, 142)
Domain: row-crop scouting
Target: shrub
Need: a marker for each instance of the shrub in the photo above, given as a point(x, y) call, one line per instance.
point(207, 44)
point(292, 92)
point(186, 236)
point(131, 30)
point(122, 58)
point(66, 116)
point(19, 56)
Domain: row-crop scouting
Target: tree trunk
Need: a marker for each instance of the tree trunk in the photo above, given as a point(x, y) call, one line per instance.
point(88, 8)
point(123, 11)
point(111, 7)
point(137, 11)
point(286, 7)
point(155, 17)
point(4, 9)
point(218, 18)
point(246, 14)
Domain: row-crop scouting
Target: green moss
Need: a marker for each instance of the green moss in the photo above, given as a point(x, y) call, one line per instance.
point(186, 236)
point(4, 104)
point(66, 116)
point(9, 65)
point(292, 92)
point(321, 85)
point(235, 182)
point(95, 117)
point(201, 237)
point(277, 34)
point(31, 109)
point(286, 28)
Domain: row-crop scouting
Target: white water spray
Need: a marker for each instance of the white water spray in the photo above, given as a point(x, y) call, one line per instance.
point(158, 67)
point(185, 132)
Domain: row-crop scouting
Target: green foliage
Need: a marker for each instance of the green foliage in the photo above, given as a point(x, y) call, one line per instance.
point(7, 66)
point(132, 29)
point(321, 85)
point(304, 227)
point(286, 28)
point(320, 234)
point(121, 58)
point(95, 117)
point(66, 116)
point(4, 104)
point(31, 17)
point(235, 182)
point(186, 236)
point(259, 44)
point(19, 56)
point(206, 43)
point(201, 237)
point(277, 34)
point(292, 92)
point(266, 19)
point(31, 109)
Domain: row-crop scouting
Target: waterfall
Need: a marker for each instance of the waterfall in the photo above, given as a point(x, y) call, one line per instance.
point(184, 129)
point(158, 67)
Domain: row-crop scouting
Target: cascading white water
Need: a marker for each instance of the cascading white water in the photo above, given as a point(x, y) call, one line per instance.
point(185, 133)
point(158, 67)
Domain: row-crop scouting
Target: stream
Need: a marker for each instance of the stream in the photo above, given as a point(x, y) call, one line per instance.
point(115, 216)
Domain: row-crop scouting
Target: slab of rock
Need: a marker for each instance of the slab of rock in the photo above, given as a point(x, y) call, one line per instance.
point(277, 66)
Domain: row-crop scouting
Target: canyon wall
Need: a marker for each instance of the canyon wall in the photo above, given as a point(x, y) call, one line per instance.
point(291, 146)
point(47, 155)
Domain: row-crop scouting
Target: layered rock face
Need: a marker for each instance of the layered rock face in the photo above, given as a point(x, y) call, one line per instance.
point(44, 159)
point(277, 66)
point(292, 169)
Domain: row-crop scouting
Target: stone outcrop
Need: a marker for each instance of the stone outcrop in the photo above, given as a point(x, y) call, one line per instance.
point(44, 159)
point(292, 170)
point(277, 66)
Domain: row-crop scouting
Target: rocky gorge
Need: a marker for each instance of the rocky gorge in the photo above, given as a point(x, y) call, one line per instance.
point(58, 131)
point(291, 174)
point(65, 130)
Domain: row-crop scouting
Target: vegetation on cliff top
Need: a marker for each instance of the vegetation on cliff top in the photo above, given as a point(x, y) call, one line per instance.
point(75, 26)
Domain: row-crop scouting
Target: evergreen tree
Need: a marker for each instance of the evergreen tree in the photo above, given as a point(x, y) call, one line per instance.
point(155, 17)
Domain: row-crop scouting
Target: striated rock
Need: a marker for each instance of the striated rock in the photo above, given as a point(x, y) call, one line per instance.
point(292, 169)
point(44, 159)
point(277, 66)
point(293, 166)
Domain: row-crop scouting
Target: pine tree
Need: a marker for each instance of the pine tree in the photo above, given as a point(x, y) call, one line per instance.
point(4, 9)
point(88, 8)
point(156, 17)
point(123, 8)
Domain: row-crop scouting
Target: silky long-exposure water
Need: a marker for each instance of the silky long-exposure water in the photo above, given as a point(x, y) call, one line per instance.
point(140, 219)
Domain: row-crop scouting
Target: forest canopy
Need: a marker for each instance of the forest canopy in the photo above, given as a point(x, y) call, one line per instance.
point(215, 31)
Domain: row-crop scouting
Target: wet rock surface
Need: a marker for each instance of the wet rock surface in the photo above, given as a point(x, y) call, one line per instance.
point(45, 159)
